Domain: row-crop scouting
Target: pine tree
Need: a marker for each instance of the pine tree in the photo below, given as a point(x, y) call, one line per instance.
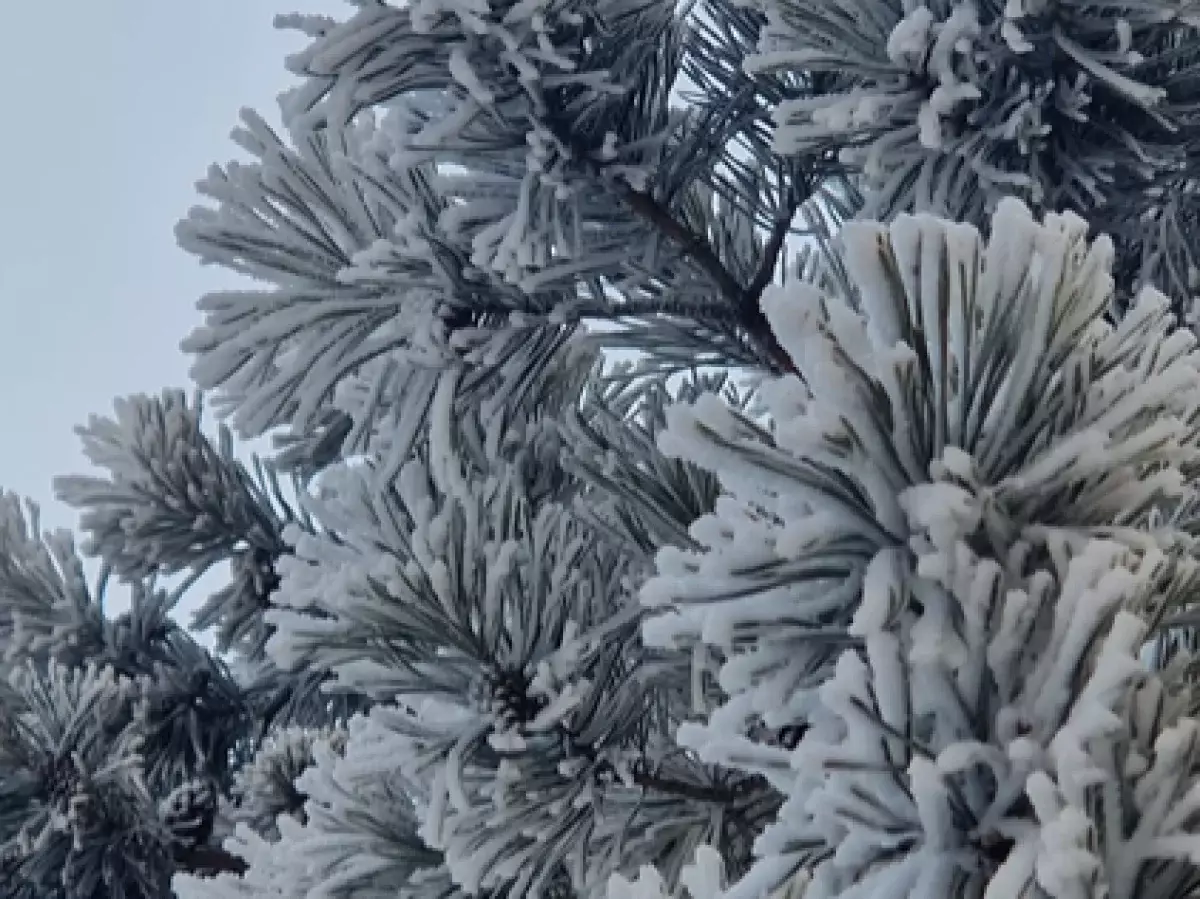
point(737, 448)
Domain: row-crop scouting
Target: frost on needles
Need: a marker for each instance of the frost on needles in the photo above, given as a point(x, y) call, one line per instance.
point(950, 105)
point(871, 575)
point(522, 740)
point(941, 564)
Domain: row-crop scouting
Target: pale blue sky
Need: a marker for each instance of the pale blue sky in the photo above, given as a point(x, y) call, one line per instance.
point(113, 110)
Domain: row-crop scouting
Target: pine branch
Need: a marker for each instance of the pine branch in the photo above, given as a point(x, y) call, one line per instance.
point(774, 246)
point(270, 713)
point(718, 794)
point(745, 300)
point(690, 243)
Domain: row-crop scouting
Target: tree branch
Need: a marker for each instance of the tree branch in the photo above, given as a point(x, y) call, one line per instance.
point(745, 300)
point(690, 243)
point(717, 794)
point(774, 246)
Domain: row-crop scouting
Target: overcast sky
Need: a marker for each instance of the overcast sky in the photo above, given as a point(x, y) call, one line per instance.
point(113, 110)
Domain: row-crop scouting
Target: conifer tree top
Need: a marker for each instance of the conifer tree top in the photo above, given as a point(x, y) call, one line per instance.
point(871, 575)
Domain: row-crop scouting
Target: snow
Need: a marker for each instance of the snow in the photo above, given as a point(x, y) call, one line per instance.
point(1004, 633)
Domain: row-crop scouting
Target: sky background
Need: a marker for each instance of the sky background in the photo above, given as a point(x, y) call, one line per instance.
point(114, 110)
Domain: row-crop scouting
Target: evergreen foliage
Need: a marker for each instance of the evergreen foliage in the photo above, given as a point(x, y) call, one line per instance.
point(733, 449)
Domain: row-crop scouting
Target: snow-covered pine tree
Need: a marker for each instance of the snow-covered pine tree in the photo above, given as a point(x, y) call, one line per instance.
point(128, 714)
point(872, 576)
